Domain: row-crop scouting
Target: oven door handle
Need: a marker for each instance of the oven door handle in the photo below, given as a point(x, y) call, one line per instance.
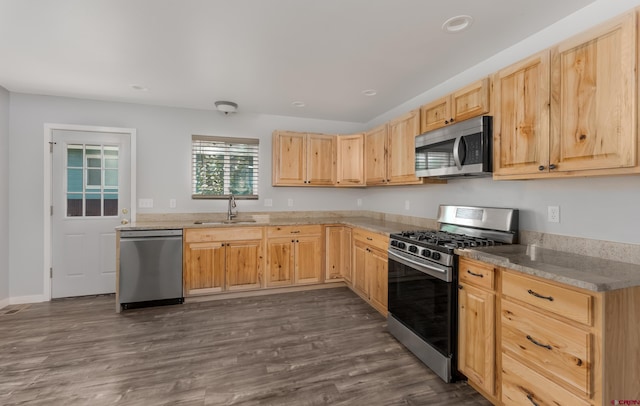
point(437, 273)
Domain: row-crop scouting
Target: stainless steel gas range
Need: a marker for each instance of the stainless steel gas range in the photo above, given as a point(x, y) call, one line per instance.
point(423, 276)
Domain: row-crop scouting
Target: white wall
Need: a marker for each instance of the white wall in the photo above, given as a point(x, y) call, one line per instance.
point(4, 197)
point(163, 161)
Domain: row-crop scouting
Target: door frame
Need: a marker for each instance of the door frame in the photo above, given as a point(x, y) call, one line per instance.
point(48, 180)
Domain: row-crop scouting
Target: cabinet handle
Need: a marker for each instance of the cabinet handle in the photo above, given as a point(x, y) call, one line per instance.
point(295, 232)
point(297, 241)
point(552, 167)
point(451, 120)
point(547, 346)
point(475, 274)
point(460, 287)
point(446, 121)
point(369, 239)
point(530, 397)
point(539, 296)
point(541, 168)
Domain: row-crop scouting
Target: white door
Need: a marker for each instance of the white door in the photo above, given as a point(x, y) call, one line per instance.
point(90, 196)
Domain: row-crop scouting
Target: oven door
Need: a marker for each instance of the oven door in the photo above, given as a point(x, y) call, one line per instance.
point(424, 304)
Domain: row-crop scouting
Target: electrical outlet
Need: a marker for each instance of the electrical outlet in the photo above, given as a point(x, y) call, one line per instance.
point(290, 202)
point(268, 202)
point(407, 205)
point(553, 214)
point(172, 203)
point(359, 202)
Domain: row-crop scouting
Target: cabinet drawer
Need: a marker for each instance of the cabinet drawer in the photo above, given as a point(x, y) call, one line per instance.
point(549, 344)
point(288, 231)
point(374, 239)
point(523, 386)
point(557, 299)
point(223, 234)
point(476, 273)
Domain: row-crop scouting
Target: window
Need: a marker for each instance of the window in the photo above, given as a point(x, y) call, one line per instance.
point(92, 180)
point(222, 166)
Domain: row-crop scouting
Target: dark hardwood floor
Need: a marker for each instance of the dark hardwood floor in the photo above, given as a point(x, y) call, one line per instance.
point(321, 347)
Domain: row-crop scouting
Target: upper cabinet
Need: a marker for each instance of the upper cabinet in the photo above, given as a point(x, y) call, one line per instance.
point(302, 159)
point(468, 102)
point(390, 151)
point(570, 111)
point(350, 165)
point(521, 119)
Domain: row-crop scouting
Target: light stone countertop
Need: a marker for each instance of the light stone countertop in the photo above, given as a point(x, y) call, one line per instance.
point(581, 271)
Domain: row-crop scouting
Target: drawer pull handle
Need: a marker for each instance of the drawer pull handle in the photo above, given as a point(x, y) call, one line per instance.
point(547, 346)
point(533, 402)
point(295, 232)
point(475, 274)
point(369, 239)
point(538, 295)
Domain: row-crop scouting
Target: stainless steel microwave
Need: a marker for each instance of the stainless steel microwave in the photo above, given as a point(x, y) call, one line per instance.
point(458, 150)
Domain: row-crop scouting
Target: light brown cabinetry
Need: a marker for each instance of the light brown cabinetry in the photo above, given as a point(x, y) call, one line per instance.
point(222, 259)
point(338, 254)
point(303, 159)
point(468, 102)
point(294, 255)
point(370, 268)
point(390, 151)
point(476, 321)
point(350, 160)
point(590, 127)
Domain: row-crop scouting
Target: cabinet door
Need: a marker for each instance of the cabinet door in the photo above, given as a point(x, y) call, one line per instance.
point(280, 263)
point(289, 158)
point(244, 264)
point(350, 160)
point(203, 267)
point(470, 101)
point(476, 336)
point(376, 155)
point(402, 148)
point(377, 266)
point(436, 114)
point(521, 120)
point(593, 103)
point(338, 254)
point(360, 279)
point(321, 162)
point(308, 258)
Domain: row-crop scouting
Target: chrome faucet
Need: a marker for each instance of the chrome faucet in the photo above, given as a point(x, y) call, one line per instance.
point(232, 205)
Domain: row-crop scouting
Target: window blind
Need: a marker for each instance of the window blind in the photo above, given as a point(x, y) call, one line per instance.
point(221, 166)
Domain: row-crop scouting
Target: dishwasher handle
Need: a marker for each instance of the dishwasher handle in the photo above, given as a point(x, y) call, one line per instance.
point(150, 233)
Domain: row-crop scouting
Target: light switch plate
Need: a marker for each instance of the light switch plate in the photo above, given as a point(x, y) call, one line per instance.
point(172, 203)
point(290, 202)
point(268, 202)
point(145, 203)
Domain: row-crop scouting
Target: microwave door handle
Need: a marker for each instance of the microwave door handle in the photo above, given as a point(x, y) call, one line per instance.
point(456, 153)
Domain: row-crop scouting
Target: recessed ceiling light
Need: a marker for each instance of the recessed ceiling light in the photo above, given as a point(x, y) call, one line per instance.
point(298, 104)
point(457, 23)
point(139, 88)
point(370, 92)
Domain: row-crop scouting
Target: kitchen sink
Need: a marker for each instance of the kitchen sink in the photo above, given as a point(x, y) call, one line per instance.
point(233, 221)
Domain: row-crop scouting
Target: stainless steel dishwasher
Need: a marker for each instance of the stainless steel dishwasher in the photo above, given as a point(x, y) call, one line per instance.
point(150, 268)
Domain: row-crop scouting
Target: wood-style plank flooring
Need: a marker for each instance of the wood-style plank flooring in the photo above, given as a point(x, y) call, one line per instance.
point(320, 347)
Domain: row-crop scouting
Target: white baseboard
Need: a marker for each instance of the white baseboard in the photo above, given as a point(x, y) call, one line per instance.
point(27, 299)
point(4, 303)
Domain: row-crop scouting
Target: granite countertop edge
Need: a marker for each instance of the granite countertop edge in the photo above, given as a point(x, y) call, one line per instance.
point(580, 271)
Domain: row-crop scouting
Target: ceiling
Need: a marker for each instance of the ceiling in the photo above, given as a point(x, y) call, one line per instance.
point(261, 54)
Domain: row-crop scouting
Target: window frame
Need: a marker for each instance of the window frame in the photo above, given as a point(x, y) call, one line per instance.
point(228, 142)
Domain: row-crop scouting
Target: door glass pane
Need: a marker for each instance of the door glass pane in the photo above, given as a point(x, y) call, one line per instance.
point(74, 180)
point(94, 206)
point(110, 204)
point(110, 177)
point(94, 178)
point(74, 204)
point(75, 156)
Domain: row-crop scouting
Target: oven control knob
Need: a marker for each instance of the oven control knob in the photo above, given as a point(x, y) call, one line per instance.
point(402, 245)
point(426, 253)
point(435, 255)
point(413, 248)
point(394, 243)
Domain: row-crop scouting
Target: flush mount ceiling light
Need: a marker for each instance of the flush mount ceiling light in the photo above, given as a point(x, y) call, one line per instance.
point(457, 24)
point(226, 107)
point(139, 88)
point(298, 104)
point(370, 92)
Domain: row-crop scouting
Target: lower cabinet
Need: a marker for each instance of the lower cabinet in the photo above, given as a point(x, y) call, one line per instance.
point(222, 259)
point(337, 254)
point(476, 325)
point(294, 255)
point(370, 268)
